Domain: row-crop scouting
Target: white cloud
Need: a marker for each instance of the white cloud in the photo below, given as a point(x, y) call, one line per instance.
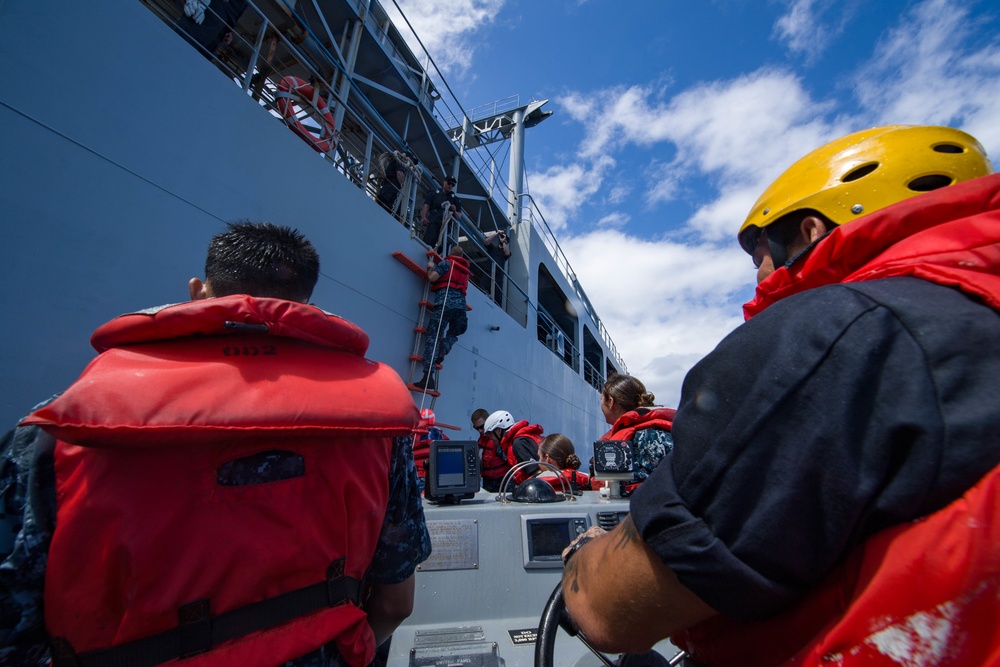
point(726, 127)
point(447, 29)
point(924, 72)
point(561, 190)
point(614, 220)
point(740, 134)
point(664, 183)
point(619, 193)
point(719, 219)
point(809, 27)
point(798, 26)
point(665, 304)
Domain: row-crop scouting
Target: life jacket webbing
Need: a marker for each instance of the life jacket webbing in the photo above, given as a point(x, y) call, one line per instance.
point(198, 631)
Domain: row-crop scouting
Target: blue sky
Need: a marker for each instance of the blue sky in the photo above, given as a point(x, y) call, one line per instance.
point(672, 117)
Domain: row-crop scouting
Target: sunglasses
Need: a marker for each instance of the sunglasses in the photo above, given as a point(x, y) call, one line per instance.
point(749, 240)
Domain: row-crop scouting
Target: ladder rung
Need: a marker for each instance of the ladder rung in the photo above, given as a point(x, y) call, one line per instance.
point(429, 392)
point(410, 264)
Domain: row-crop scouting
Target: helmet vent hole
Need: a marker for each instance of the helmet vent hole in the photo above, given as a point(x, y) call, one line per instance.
point(859, 172)
point(930, 182)
point(949, 148)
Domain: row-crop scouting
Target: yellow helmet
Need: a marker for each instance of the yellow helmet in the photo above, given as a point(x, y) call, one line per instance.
point(866, 171)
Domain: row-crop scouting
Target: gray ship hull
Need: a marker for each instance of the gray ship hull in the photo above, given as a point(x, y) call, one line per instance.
point(124, 150)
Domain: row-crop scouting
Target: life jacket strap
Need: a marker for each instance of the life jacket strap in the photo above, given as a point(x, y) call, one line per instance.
point(198, 631)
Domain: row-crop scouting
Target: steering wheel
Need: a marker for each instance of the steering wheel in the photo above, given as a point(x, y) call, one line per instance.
point(555, 616)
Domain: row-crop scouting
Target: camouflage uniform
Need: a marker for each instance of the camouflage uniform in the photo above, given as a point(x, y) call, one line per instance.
point(650, 445)
point(27, 518)
point(448, 315)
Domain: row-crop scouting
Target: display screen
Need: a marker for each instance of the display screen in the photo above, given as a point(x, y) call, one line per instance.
point(450, 467)
point(549, 539)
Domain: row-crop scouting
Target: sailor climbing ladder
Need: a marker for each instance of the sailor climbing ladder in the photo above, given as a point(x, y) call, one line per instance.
point(426, 312)
point(419, 339)
point(420, 330)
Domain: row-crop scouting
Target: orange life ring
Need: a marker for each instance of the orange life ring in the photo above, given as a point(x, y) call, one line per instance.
point(294, 91)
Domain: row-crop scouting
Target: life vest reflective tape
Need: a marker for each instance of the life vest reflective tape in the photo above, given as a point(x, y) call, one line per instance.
point(292, 92)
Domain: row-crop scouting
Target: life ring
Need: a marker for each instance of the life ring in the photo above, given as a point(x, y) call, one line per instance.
point(294, 91)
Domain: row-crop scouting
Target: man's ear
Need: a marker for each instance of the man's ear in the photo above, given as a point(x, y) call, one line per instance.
point(197, 289)
point(812, 228)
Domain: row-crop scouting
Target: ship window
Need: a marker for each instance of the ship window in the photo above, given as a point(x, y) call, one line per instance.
point(557, 320)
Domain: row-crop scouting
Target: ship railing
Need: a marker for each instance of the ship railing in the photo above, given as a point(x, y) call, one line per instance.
point(490, 277)
point(534, 217)
point(485, 110)
point(557, 340)
point(356, 151)
point(358, 143)
point(592, 375)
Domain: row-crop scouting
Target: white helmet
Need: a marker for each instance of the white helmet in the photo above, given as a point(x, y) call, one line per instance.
point(499, 419)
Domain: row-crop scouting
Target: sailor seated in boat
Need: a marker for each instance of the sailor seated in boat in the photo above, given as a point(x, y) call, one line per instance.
point(493, 466)
point(558, 450)
point(833, 492)
point(198, 493)
point(632, 413)
point(515, 442)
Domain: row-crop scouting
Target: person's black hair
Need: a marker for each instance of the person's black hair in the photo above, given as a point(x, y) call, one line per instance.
point(262, 259)
point(629, 393)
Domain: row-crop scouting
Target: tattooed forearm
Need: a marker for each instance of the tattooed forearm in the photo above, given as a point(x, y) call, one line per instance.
point(627, 534)
point(571, 574)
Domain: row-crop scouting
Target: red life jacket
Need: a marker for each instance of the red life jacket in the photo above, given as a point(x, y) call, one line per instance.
point(457, 276)
point(575, 480)
point(625, 427)
point(161, 547)
point(494, 466)
point(921, 593)
point(422, 439)
point(519, 430)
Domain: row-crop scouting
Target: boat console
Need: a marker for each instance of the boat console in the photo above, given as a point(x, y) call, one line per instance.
point(494, 564)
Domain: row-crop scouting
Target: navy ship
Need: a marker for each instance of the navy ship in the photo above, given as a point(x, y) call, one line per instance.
point(131, 133)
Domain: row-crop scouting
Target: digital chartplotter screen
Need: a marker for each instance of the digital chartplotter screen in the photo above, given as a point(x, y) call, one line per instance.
point(549, 539)
point(452, 471)
point(451, 467)
point(544, 536)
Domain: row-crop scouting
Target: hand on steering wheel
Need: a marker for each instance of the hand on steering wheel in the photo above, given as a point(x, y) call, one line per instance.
point(555, 616)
